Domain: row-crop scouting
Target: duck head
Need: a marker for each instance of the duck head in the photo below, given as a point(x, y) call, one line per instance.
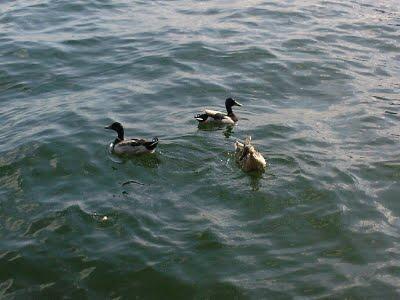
point(229, 102)
point(116, 126)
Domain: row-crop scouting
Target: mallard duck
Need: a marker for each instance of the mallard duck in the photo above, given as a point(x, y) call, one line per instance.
point(132, 146)
point(248, 158)
point(219, 117)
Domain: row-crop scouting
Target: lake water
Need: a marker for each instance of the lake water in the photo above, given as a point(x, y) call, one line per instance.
point(319, 83)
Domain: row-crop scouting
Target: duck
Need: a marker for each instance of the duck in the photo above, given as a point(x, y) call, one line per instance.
point(248, 158)
point(218, 117)
point(120, 146)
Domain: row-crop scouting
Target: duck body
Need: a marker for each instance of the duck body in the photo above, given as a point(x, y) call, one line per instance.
point(217, 117)
point(248, 158)
point(134, 146)
point(129, 147)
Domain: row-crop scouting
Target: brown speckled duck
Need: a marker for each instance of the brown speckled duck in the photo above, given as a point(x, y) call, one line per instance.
point(248, 158)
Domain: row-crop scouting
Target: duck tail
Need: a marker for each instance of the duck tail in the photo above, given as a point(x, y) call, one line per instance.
point(201, 117)
point(152, 144)
point(154, 141)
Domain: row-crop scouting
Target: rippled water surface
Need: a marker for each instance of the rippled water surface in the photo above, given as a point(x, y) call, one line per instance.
point(320, 85)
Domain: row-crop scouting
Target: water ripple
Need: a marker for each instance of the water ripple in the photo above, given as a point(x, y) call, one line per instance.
point(318, 81)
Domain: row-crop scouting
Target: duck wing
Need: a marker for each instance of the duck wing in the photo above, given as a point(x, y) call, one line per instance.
point(219, 116)
point(138, 142)
point(209, 113)
point(214, 114)
point(135, 146)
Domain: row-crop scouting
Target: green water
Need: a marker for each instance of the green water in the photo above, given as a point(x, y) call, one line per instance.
point(319, 81)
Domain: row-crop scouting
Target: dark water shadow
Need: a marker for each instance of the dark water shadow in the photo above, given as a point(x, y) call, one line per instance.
point(255, 178)
point(227, 129)
point(150, 160)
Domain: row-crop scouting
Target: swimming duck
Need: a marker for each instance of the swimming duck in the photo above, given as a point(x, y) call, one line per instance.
point(248, 158)
point(132, 146)
point(219, 117)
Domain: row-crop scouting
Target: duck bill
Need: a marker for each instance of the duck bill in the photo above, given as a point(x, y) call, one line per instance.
point(238, 104)
point(107, 127)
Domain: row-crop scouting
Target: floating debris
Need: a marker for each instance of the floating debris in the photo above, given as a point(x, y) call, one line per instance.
point(132, 181)
point(390, 112)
